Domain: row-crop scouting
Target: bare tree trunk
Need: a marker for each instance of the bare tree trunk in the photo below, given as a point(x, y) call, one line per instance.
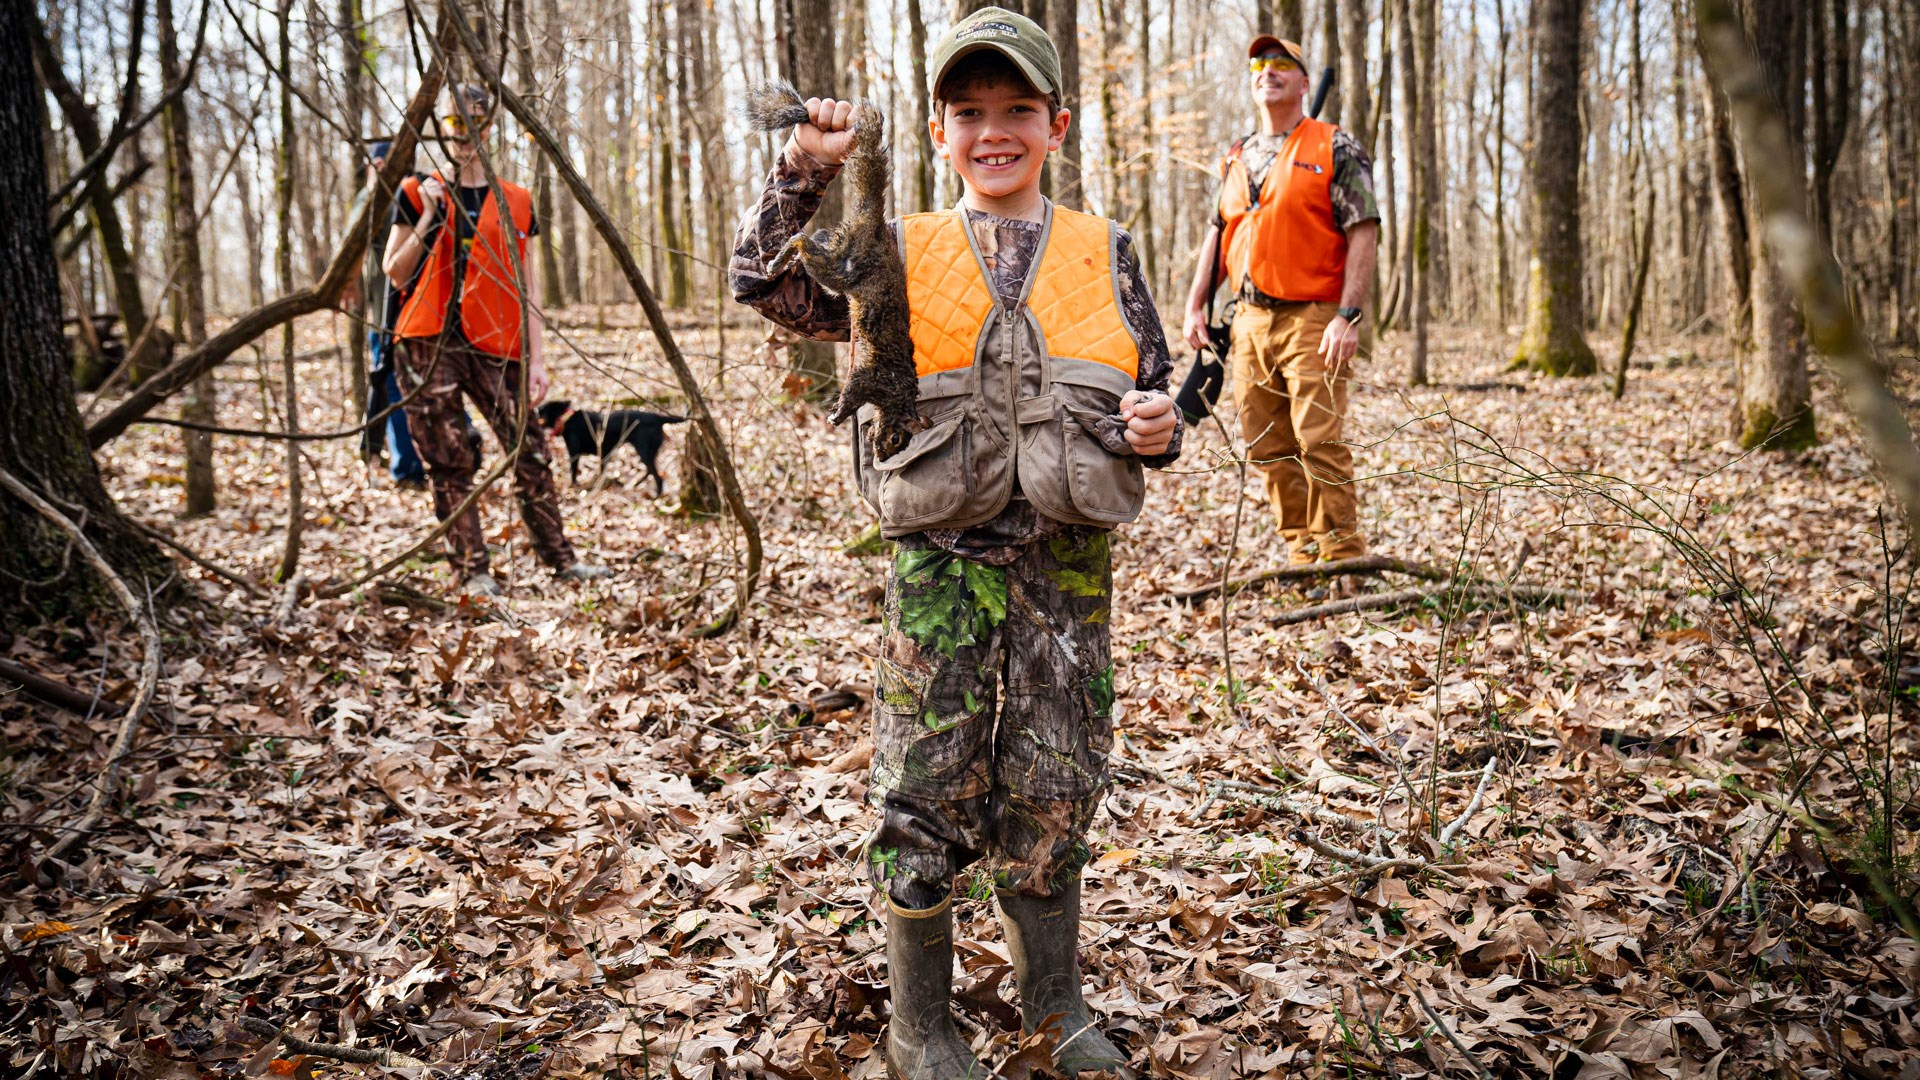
point(1502, 276)
point(552, 297)
point(1107, 15)
point(1393, 261)
point(1554, 341)
point(808, 63)
point(917, 93)
point(1418, 91)
point(1143, 237)
point(41, 439)
point(1356, 108)
point(1289, 21)
point(283, 264)
point(251, 225)
point(1066, 172)
point(364, 299)
point(189, 298)
point(1331, 110)
point(1775, 406)
point(122, 266)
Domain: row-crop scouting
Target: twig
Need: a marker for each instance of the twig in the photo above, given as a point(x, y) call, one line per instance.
point(1362, 564)
point(1305, 887)
point(290, 598)
point(1336, 852)
point(1473, 805)
point(1400, 598)
point(149, 664)
point(216, 570)
point(1479, 1069)
point(1276, 803)
point(358, 1055)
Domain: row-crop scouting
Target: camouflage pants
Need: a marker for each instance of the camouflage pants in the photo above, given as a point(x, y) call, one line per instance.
point(993, 717)
point(492, 385)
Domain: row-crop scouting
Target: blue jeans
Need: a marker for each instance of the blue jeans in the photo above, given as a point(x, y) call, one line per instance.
point(402, 462)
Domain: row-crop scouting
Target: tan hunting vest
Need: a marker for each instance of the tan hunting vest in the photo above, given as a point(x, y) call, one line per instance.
point(1010, 391)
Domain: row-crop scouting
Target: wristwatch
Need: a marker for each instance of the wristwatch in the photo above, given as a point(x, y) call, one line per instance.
point(1351, 314)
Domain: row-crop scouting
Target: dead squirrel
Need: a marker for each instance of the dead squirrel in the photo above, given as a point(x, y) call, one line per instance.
point(859, 261)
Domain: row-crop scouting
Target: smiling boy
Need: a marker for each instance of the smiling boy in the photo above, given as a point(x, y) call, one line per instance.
point(1042, 378)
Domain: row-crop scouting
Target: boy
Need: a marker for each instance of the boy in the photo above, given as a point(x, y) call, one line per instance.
point(1043, 372)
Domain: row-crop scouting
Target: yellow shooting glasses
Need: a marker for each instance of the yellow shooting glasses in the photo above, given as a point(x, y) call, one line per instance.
point(1258, 64)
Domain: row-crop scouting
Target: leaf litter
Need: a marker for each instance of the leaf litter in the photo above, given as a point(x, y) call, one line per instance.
point(552, 835)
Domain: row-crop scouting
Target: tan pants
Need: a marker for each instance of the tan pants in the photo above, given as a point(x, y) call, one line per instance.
point(1292, 409)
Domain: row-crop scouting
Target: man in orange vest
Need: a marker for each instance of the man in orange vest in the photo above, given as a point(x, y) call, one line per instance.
point(461, 333)
point(1295, 236)
point(1042, 371)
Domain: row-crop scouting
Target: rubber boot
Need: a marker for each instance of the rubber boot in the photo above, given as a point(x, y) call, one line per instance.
point(1043, 934)
point(922, 1043)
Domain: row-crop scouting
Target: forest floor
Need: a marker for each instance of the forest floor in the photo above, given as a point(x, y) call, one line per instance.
point(555, 835)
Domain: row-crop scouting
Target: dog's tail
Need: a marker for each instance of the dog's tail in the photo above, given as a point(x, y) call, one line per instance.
point(774, 106)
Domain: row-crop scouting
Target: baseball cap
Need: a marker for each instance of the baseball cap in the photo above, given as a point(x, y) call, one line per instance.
point(1268, 41)
point(378, 151)
point(1016, 37)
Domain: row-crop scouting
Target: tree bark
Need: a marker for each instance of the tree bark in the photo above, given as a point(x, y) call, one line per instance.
point(1554, 341)
point(808, 63)
point(122, 267)
point(283, 185)
point(1355, 104)
point(42, 441)
point(1421, 113)
point(189, 296)
point(917, 93)
point(1774, 407)
point(1065, 170)
point(1332, 110)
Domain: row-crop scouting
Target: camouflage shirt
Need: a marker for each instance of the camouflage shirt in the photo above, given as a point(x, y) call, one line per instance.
point(1007, 246)
point(1351, 189)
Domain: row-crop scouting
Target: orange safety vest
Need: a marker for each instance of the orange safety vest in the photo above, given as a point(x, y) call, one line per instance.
point(1074, 294)
point(489, 302)
point(1286, 239)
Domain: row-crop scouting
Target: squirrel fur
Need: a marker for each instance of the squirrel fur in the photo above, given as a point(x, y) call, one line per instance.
point(857, 260)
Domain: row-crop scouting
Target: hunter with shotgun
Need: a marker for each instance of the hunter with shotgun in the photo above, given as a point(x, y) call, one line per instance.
point(1294, 235)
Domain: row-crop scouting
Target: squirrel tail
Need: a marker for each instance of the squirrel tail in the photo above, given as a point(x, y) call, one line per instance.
point(774, 106)
point(869, 166)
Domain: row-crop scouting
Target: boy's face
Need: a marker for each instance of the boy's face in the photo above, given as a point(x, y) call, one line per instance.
point(997, 135)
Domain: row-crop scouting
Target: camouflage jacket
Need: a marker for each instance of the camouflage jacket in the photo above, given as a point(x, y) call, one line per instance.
point(793, 300)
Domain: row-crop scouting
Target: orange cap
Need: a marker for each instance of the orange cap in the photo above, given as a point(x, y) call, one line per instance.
point(1268, 41)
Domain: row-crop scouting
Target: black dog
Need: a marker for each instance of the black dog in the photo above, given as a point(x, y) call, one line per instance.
point(588, 432)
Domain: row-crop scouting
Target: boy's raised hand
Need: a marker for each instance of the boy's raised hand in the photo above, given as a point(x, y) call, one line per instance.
point(1150, 421)
point(827, 137)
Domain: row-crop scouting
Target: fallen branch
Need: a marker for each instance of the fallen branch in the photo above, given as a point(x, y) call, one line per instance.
point(57, 693)
point(1478, 1069)
point(1473, 805)
point(358, 1055)
point(1305, 887)
point(216, 570)
point(1362, 564)
point(109, 775)
point(1538, 594)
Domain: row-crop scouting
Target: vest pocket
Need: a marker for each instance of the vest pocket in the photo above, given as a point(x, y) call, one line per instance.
point(929, 479)
point(1106, 487)
point(864, 472)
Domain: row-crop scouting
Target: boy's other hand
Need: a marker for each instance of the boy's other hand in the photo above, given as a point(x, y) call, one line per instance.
point(432, 191)
point(827, 137)
point(1150, 421)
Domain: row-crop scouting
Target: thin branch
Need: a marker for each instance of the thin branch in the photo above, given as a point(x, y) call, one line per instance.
point(149, 663)
point(358, 1055)
point(1473, 805)
point(1538, 594)
point(1363, 564)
